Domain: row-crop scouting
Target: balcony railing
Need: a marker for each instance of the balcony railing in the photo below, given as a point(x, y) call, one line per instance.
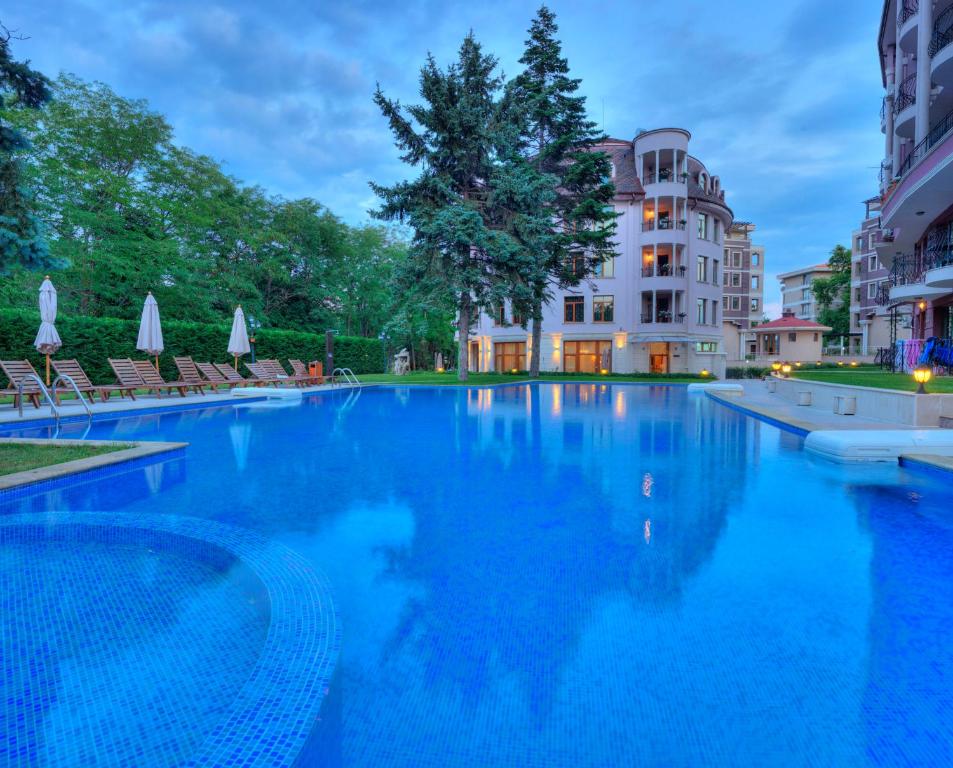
point(939, 247)
point(907, 269)
point(663, 316)
point(936, 134)
point(664, 270)
point(883, 294)
point(648, 225)
point(942, 32)
point(906, 94)
point(908, 9)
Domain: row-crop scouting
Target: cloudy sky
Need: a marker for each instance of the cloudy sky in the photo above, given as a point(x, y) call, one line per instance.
point(782, 98)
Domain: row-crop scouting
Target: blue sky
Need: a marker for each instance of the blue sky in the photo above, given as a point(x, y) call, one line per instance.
point(782, 99)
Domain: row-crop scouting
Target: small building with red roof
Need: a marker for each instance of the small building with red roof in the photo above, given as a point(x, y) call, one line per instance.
point(790, 338)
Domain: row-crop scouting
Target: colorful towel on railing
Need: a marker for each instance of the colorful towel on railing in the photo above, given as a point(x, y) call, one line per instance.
point(926, 354)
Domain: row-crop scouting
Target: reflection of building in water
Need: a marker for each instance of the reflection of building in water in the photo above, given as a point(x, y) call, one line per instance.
point(907, 702)
point(550, 517)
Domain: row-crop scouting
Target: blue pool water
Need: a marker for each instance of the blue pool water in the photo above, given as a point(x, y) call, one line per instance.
point(556, 575)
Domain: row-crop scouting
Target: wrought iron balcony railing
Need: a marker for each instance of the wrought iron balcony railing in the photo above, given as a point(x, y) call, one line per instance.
point(906, 94)
point(907, 269)
point(663, 316)
point(908, 9)
point(937, 133)
point(942, 32)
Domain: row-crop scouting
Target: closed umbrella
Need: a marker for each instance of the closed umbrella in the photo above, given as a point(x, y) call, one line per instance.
point(47, 339)
point(150, 330)
point(238, 342)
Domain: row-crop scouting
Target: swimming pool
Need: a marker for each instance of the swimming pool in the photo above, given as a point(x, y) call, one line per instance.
point(572, 575)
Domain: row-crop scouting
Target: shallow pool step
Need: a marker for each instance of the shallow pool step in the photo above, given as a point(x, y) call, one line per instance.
point(859, 445)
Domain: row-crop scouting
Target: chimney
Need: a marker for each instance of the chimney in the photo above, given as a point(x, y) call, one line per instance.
point(787, 313)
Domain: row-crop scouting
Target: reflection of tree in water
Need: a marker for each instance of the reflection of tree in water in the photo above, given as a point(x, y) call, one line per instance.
point(907, 702)
point(516, 551)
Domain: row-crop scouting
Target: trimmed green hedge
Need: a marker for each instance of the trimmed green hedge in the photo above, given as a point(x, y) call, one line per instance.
point(92, 340)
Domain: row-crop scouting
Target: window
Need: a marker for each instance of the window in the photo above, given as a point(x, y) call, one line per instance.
point(860, 244)
point(727, 277)
point(509, 355)
point(576, 264)
point(700, 312)
point(605, 268)
point(771, 344)
point(871, 290)
point(517, 317)
point(574, 309)
point(703, 226)
point(717, 232)
point(706, 346)
point(499, 314)
point(735, 279)
point(755, 259)
point(602, 309)
point(714, 311)
point(755, 282)
point(587, 356)
point(754, 305)
point(792, 337)
point(815, 337)
point(724, 302)
point(736, 259)
point(714, 271)
point(701, 269)
point(872, 263)
point(735, 303)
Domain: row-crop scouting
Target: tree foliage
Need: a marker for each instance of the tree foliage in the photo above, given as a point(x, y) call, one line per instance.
point(558, 139)
point(21, 235)
point(832, 294)
point(127, 210)
point(467, 202)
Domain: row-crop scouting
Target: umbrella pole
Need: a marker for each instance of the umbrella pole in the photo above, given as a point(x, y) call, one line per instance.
point(47, 370)
point(236, 362)
point(157, 363)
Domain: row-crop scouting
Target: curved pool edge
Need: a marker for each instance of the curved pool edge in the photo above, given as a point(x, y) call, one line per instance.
point(277, 708)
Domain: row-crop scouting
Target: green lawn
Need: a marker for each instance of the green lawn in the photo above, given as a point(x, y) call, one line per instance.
point(881, 379)
point(429, 377)
point(19, 457)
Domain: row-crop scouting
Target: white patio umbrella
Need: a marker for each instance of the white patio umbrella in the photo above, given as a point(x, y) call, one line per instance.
point(150, 329)
point(47, 339)
point(238, 342)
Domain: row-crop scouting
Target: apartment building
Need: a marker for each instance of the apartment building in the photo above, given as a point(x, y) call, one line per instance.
point(743, 289)
point(796, 293)
point(870, 319)
point(916, 214)
point(657, 305)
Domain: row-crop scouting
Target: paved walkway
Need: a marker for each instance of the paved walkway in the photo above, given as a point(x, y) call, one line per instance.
point(115, 404)
point(757, 398)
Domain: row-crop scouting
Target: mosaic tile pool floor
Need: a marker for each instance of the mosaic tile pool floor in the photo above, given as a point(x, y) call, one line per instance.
point(580, 575)
point(117, 656)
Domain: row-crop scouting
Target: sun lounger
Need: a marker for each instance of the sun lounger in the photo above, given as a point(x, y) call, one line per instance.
point(261, 373)
point(301, 370)
point(214, 376)
point(189, 373)
point(128, 375)
point(277, 370)
point(75, 371)
point(154, 380)
point(18, 371)
point(232, 376)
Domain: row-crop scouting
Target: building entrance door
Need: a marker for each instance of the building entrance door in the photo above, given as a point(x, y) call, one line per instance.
point(658, 357)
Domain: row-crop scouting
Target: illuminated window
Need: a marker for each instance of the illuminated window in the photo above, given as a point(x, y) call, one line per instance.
point(602, 309)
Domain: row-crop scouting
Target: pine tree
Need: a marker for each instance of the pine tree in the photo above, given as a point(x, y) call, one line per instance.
point(559, 140)
point(457, 207)
point(21, 239)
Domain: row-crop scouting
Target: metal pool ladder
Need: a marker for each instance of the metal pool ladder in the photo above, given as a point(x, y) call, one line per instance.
point(347, 374)
point(54, 408)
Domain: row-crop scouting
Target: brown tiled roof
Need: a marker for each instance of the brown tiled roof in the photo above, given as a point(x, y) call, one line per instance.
point(622, 154)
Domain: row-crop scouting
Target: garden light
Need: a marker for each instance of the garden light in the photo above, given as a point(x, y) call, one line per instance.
point(921, 376)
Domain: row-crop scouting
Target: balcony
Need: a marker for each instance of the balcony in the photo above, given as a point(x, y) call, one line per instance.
point(942, 32)
point(907, 11)
point(903, 104)
point(662, 270)
point(908, 273)
point(662, 316)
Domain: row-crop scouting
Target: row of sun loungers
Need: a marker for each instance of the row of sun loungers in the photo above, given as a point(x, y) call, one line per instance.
point(138, 375)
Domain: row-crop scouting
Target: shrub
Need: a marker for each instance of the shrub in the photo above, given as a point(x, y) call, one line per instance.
point(92, 340)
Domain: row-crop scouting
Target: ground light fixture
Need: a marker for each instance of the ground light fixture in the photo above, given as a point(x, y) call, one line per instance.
point(775, 366)
point(786, 369)
point(797, 365)
point(818, 363)
point(441, 369)
point(921, 376)
point(704, 373)
point(853, 363)
point(604, 371)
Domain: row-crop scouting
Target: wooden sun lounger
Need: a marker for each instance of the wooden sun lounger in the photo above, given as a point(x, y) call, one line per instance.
point(301, 371)
point(189, 373)
point(17, 371)
point(127, 374)
point(278, 372)
point(262, 374)
point(232, 376)
point(154, 380)
point(75, 371)
point(214, 376)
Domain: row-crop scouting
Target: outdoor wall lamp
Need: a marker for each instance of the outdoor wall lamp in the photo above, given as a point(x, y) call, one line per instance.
point(921, 376)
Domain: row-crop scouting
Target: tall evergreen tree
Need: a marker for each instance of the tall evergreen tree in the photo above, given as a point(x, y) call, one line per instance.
point(456, 206)
point(21, 238)
point(559, 140)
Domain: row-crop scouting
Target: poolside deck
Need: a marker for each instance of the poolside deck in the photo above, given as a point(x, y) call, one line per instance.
point(71, 408)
